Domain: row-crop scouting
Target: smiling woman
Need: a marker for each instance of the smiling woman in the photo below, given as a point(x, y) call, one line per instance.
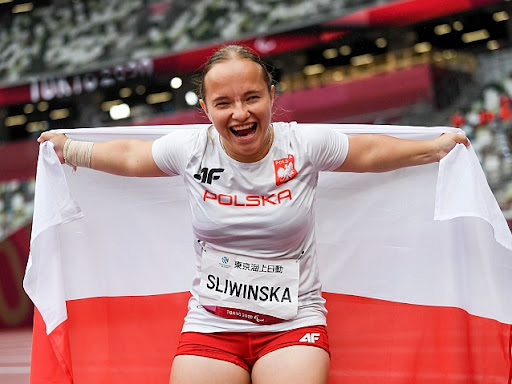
point(237, 95)
point(256, 313)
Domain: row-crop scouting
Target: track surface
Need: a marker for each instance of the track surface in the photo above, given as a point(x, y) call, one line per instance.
point(15, 352)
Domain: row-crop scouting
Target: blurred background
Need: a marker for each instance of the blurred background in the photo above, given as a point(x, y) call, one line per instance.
point(90, 63)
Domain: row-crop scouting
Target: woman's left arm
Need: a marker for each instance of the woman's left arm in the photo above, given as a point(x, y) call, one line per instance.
point(381, 153)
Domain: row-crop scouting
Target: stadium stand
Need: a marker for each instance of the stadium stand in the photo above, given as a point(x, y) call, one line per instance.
point(16, 205)
point(89, 34)
point(60, 38)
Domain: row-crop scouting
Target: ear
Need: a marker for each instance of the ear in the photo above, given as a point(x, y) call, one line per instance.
point(204, 108)
point(272, 94)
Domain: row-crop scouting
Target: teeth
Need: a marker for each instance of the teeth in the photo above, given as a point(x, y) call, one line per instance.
point(242, 127)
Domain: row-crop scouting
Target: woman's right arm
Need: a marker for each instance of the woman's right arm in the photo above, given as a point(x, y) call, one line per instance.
point(119, 157)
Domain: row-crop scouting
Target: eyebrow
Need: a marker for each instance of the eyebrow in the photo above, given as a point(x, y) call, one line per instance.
point(248, 93)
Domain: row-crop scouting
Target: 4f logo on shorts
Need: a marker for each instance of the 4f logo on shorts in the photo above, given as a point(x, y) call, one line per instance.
point(206, 175)
point(285, 170)
point(310, 337)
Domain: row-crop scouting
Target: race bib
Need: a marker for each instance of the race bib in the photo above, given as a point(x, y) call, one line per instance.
point(241, 287)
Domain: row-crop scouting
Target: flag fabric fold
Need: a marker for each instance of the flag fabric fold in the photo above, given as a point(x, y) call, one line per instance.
point(459, 172)
point(54, 206)
point(416, 266)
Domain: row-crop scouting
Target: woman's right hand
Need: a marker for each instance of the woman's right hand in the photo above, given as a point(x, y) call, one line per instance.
point(58, 140)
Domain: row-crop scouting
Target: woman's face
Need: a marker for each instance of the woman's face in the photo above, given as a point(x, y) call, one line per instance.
point(239, 105)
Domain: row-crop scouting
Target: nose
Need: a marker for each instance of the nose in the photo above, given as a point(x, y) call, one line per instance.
point(240, 111)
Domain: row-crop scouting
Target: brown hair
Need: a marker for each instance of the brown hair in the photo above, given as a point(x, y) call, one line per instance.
point(230, 52)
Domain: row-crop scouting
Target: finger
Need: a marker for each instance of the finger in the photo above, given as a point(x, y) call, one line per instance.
point(459, 138)
point(462, 138)
point(45, 136)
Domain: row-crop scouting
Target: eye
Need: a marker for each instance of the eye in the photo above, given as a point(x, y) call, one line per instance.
point(253, 98)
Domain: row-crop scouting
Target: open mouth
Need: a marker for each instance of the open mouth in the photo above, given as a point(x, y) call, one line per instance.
point(244, 130)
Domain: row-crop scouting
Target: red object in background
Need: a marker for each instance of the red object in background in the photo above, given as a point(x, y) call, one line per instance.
point(486, 117)
point(16, 309)
point(504, 113)
point(407, 12)
point(457, 120)
point(18, 160)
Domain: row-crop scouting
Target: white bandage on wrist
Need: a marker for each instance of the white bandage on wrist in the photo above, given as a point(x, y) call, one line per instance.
point(78, 153)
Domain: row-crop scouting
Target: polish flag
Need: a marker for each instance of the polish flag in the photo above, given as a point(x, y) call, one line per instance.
point(416, 266)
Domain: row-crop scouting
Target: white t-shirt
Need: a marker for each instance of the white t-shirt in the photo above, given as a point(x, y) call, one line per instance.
point(262, 210)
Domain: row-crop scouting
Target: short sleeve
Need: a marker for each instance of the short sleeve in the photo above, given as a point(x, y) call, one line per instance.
point(172, 151)
point(327, 148)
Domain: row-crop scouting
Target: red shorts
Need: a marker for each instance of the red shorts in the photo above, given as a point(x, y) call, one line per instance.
point(244, 348)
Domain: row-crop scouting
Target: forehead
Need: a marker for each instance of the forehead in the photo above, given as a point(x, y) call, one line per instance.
point(234, 74)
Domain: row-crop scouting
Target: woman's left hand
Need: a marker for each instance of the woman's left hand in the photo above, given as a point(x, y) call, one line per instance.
point(446, 142)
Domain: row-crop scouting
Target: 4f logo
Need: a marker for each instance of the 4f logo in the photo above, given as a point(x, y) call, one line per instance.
point(206, 175)
point(310, 337)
